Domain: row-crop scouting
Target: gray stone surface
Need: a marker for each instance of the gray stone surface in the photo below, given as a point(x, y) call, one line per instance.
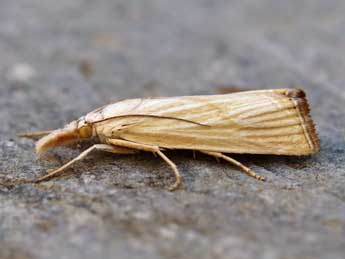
point(60, 59)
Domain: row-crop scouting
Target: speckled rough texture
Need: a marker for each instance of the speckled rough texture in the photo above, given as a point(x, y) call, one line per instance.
point(60, 59)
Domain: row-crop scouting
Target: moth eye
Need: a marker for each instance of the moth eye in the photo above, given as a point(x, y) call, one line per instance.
point(85, 131)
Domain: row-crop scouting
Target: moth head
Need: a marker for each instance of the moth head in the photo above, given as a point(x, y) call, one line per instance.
point(74, 131)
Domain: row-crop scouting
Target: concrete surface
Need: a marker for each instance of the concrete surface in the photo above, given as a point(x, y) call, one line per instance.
point(60, 59)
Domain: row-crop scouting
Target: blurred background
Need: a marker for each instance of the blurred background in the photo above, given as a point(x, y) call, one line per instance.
point(61, 59)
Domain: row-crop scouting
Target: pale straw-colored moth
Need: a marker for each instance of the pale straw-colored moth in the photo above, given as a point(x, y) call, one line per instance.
point(253, 122)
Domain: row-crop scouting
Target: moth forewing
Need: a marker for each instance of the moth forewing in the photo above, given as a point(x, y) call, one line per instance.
point(257, 122)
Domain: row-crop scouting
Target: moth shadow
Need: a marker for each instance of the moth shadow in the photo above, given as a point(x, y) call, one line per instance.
point(267, 161)
point(273, 161)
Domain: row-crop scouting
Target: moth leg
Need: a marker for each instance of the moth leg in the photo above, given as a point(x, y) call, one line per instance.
point(155, 150)
point(102, 147)
point(245, 169)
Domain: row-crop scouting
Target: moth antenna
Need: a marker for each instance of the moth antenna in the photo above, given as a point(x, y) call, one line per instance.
point(36, 134)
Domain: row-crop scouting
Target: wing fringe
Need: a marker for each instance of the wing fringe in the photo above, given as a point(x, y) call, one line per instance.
point(298, 96)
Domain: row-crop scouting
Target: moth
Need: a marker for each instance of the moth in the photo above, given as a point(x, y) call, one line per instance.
point(253, 122)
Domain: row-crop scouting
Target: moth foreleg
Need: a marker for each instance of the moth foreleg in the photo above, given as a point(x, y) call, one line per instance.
point(102, 147)
point(155, 150)
point(245, 169)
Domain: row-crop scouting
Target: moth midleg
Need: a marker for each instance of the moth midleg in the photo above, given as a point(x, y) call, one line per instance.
point(155, 150)
point(102, 147)
point(245, 169)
